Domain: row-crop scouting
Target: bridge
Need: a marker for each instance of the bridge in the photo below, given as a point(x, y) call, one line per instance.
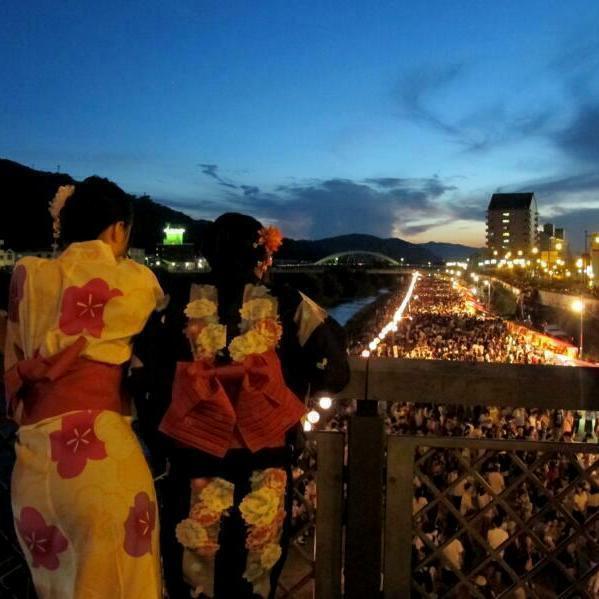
point(358, 258)
point(354, 261)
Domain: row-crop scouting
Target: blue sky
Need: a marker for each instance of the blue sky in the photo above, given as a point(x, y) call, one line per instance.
point(391, 118)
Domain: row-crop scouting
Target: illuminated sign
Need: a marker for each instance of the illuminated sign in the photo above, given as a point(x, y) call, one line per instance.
point(173, 235)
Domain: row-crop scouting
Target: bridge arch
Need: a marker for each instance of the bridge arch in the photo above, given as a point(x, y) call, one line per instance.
point(346, 258)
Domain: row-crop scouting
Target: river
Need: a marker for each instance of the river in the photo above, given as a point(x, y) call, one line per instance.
point(342, 313)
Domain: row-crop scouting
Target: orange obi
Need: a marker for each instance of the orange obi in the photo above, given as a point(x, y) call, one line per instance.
point(210, 404)
point(64, 382)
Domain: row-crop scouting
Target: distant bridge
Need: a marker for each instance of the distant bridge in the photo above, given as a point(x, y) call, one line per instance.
point(355, 261)
point(357, 258)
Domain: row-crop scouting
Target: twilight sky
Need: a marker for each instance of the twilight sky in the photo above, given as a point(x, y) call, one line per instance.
point(326, 117)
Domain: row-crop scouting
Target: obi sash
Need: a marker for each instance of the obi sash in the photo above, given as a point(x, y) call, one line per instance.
point(64, 382)
point(203, 415)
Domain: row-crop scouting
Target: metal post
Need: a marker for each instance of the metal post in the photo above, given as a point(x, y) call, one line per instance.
point(581, 328)
point(364, 503)
point(586, 244)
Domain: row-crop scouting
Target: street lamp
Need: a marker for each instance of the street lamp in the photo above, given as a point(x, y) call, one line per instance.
point(578, 308)
point(488, 284)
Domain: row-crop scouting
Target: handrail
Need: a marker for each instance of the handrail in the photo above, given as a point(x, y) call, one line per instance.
point(474, 383)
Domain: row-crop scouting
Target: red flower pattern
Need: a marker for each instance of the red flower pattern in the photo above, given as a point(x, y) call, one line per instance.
point(17, 290)
point(43, 542)
point(83, 307)
point(140, 525)
point(75, 443)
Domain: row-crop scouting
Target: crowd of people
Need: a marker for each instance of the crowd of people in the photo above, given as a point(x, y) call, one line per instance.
point(453, 486)
point(443, 324)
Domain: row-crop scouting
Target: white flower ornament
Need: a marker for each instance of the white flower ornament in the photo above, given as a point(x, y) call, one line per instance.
point(63, 193)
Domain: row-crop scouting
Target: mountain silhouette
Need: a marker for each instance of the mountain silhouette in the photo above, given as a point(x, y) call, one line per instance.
point(26, 224)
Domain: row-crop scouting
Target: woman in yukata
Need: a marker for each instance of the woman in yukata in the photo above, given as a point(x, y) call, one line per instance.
point(239, 376)
point(82, 494)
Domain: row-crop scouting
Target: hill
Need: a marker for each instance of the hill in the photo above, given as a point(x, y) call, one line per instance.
point(26, 225)
point(315, 250)
point(450, 251)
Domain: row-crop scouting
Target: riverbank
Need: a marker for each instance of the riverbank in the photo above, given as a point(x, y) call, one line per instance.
point(334, 288)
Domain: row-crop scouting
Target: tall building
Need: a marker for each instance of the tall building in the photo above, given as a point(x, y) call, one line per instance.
point(512, 222)
point(553, 247)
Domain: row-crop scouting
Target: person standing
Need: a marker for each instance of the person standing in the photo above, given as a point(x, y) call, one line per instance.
point(250, 356)
point(82, 494)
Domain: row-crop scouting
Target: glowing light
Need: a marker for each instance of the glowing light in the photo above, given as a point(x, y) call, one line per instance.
point(558, 246)
point(173, 235)
point(535, 250)
point(307, 426)
point(579, 263)
point(313, 417)
point(325, 403)
point(392, 325)
point(577, 306)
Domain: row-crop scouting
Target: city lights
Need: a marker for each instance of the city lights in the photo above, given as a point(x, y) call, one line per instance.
point(391, 326)
point(578, 306)
point(325, 403)
point(313, 417)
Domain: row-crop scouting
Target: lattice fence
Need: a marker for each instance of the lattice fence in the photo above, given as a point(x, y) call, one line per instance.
point(515, 522)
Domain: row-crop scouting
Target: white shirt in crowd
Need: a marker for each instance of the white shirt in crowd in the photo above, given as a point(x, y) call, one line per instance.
point(454, 553)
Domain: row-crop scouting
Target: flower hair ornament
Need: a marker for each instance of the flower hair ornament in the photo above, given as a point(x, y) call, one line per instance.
point(271, 239)
point(63, 193)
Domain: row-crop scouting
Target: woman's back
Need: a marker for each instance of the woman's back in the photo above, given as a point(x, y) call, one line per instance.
point(84, 292)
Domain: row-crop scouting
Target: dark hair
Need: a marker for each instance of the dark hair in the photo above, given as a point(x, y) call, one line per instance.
point(95, 205)
point(229, 245)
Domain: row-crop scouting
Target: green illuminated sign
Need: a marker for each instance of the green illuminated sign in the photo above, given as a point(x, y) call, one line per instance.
point(173, 235)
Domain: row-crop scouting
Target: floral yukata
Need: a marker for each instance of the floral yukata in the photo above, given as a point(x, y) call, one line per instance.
point(242, 404)
point(228, 494)
point(82, 494)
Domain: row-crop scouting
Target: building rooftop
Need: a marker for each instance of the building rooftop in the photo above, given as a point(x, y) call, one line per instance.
point(511, 201)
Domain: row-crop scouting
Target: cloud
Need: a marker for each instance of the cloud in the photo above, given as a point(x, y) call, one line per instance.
point(488, 127)
point(561, 186)
point(322, 208)
point(250, 190)
point(211, 170)
point(416, 89)
point(580, 138)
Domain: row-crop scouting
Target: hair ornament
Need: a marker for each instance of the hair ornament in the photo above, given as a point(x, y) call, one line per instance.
point(271, 238)
point(63, 193)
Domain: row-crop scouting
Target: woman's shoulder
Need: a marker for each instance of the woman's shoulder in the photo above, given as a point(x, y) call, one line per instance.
point(27, 267)
point(32, 262)
point(138, 269)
